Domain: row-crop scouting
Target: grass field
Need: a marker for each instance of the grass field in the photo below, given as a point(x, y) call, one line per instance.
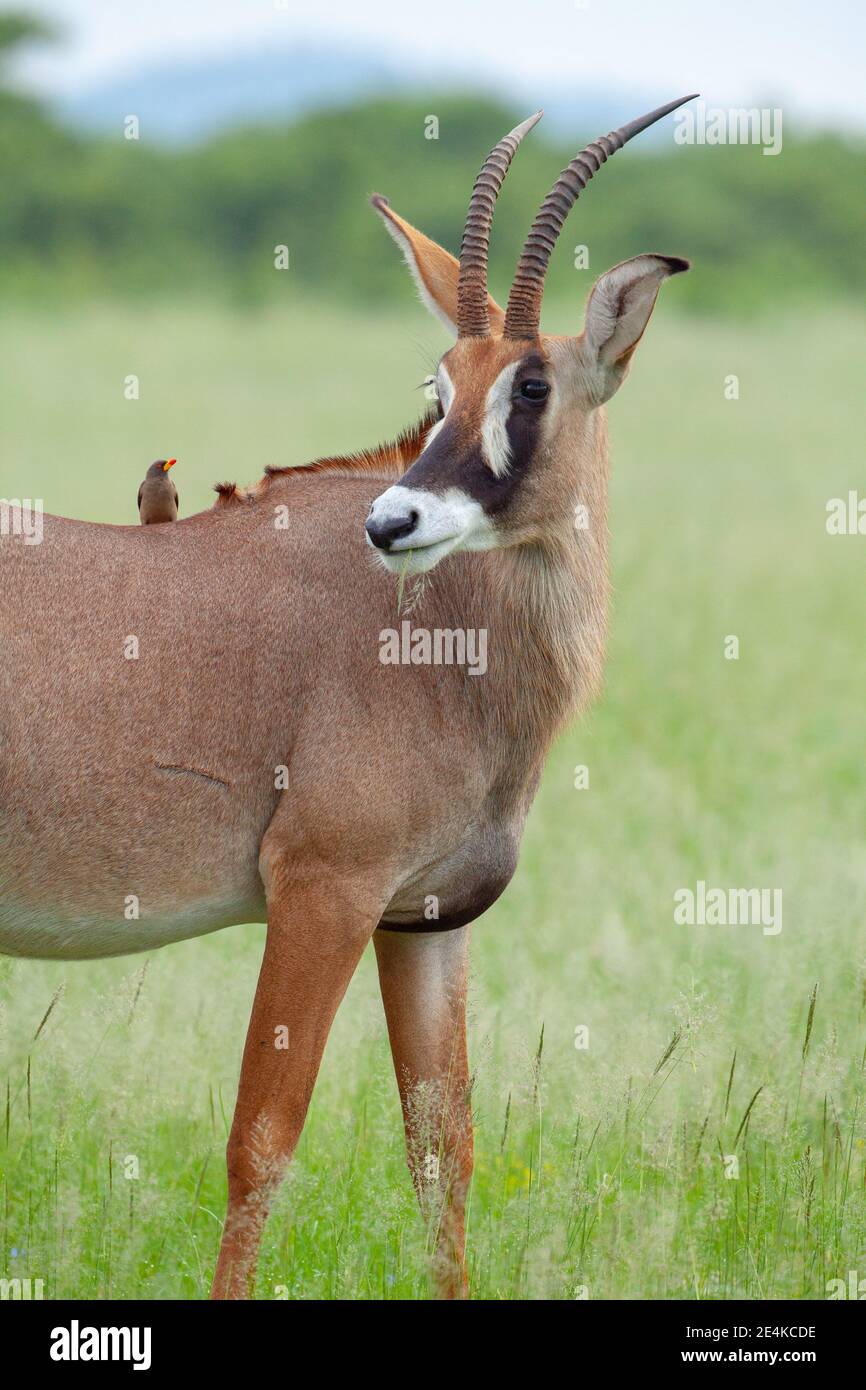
point(600, 1170)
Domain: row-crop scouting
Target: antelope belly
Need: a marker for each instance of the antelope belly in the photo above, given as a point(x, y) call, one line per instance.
point(35, 931)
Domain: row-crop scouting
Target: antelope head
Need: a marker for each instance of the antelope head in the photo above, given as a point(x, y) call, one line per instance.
point(520, 415)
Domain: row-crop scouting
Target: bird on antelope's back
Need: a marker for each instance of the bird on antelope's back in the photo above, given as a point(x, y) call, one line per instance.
point(157, 496)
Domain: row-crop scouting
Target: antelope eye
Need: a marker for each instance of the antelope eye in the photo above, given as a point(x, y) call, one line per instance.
point(534, 390)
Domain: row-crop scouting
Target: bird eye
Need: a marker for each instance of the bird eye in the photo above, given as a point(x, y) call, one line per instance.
point(534, 390)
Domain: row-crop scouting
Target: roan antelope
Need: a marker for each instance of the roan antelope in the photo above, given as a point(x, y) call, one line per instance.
point(302, 779)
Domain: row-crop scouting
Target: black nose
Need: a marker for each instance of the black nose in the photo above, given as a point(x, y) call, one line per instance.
point(384, 533)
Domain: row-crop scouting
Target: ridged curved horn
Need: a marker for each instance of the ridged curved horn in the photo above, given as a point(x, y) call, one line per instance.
point(473, 318)
point(523, 314)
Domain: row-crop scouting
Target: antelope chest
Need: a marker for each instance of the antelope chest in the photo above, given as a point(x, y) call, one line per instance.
point(457, 888)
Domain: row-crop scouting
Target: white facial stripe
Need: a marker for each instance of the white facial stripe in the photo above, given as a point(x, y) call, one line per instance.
point(445, 392)
point(494, 432)
point(446, 389)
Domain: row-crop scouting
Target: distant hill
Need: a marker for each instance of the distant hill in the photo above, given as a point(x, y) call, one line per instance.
point(182, 102)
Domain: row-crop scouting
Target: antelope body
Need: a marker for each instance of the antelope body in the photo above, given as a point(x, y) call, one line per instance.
point(197, 728)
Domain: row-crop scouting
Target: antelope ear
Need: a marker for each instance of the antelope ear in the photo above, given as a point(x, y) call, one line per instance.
point(618, 311)
point(434, 270)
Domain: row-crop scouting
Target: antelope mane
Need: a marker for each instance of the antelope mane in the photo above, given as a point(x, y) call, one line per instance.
point(388, 461)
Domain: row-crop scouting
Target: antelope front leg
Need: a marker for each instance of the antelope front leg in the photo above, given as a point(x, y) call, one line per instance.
point(316, 936)
point(423, 981)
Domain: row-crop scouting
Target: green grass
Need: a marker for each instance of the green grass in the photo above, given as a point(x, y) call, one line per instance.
point(742, 773)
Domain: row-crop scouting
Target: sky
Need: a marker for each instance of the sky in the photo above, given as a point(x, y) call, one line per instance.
point(806, 57)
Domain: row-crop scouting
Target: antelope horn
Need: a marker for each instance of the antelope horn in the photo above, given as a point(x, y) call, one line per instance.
point(523, 314)
point(473, 318)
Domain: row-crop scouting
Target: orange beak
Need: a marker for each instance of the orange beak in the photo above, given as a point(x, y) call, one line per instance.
point(169, 463)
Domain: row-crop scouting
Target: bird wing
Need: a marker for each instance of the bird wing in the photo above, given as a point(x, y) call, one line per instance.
point(174, 490)
point(140, 491)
